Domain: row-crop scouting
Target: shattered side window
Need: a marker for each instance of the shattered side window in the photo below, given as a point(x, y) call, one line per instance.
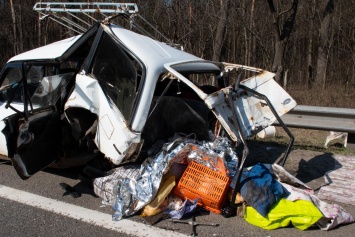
point(117, 74)
point(50, 88)
point(10, 84)
point(34, 77)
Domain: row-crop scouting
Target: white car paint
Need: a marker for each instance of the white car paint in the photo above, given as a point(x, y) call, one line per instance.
point(49, 51)
point(251, 112)
point(113, 136)
point(4, 114)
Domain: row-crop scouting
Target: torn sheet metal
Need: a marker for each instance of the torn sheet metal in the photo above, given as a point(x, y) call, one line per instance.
point(253, 113)
point(4, 114)
point(113, 137)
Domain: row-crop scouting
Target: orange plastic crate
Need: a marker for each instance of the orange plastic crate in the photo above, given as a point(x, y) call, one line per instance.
point(198, 181)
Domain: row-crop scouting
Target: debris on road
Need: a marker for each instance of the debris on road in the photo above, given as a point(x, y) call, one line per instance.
point(340, 182)
point(69, 190)
point(272, 198)
point(193, 224)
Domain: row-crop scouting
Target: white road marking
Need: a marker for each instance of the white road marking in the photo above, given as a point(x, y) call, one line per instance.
point(83, 214)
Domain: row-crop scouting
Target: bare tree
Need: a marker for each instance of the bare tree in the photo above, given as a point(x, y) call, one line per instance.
point(310, 44)
point(14, 26)
point(325, 42)
point(281, 34)
point(240, 31)
point(221, 29)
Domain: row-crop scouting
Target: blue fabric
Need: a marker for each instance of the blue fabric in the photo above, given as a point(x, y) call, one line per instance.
point(260, 190)
point(188, 207)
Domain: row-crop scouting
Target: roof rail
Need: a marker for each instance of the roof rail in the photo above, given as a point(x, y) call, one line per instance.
point(79, 16)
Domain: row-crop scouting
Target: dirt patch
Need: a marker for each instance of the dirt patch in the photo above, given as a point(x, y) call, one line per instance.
point(308, 160)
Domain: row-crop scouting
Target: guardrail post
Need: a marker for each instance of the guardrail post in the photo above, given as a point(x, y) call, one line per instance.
point(351, 141)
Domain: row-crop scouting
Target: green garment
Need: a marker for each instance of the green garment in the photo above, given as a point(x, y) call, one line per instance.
point(302, 214)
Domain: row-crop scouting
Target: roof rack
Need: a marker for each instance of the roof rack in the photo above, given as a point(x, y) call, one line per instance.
point(87, 7)
point(79, 16)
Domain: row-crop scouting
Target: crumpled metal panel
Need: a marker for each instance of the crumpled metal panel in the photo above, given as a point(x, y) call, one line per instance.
point(113, 137)
point(252, 112)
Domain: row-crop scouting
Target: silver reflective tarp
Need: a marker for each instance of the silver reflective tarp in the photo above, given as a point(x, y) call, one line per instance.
point(130, 188)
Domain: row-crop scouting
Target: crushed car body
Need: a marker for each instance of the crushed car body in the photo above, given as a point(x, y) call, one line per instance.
point(111, 93)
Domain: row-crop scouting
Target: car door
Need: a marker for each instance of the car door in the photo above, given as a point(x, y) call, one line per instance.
point(33, 128)
point(34, 88)
point(9, 81)
point(109, 90)
point(241, 111)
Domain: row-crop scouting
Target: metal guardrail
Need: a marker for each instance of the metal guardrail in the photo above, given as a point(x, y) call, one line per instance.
point(321, 118)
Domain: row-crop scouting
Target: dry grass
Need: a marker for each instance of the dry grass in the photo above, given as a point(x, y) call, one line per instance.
point(310, 140)
point(334, 95)
point(342, 96)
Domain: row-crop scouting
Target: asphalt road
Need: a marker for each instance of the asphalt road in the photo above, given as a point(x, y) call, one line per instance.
point(18, 219)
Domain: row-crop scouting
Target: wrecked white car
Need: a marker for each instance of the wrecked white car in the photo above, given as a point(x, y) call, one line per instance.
point(110, 94)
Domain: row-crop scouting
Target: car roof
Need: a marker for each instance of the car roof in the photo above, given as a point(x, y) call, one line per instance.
point(149, 50)
point(50, 51)
point(152, 53)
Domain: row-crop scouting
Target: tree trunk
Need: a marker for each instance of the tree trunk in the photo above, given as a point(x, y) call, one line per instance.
point(221, 29)
point(245, 32)
point(251, 44)
point(277, 65)
point(281, 35)
point(20, 30)
point(310, 46)
point(14, 26)
point(324, 44)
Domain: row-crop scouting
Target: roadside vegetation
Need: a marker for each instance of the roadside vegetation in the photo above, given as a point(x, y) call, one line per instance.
point(310, 45)
point(307, 139)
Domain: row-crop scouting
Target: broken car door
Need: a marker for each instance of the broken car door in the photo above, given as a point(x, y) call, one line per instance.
point(232, 105)
point(33, 132)
point(109, 90)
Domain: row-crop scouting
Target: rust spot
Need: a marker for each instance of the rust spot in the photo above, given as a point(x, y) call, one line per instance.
point(2, 156)
point(262, 104)
point(252, 118)
point(215, 94)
